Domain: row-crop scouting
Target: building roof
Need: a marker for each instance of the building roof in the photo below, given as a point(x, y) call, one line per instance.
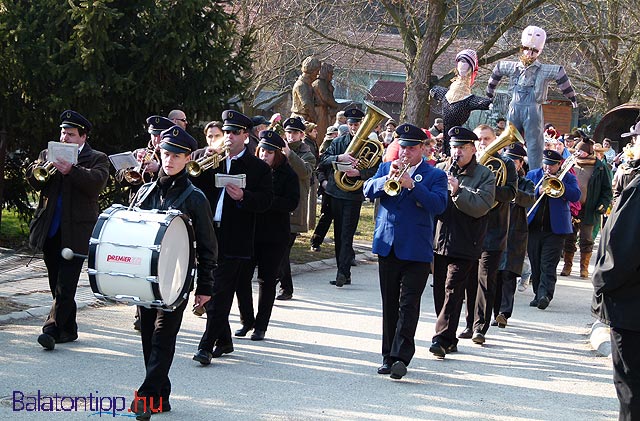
point(386, 91)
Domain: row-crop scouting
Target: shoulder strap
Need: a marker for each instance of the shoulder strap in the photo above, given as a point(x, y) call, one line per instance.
point(176, 204)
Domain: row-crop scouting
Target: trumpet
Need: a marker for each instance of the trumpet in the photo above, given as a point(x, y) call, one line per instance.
point(392, 186)
point(552, 185)
point(43, 172)
point(134, 175)
point(197, 167)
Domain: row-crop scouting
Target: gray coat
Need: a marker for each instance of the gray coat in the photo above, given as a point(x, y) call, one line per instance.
point(303, 162)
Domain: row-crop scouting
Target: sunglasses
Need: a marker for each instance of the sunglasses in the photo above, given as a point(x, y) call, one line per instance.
point(184, 120)
point(235, 132)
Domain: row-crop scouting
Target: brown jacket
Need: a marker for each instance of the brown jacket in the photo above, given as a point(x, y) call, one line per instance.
point(79, 189)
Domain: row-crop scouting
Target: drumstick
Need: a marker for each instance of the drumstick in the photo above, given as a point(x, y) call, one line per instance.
point(68, 254)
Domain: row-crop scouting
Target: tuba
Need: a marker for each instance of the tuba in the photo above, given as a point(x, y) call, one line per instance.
point(509, 135)
point(367, 151)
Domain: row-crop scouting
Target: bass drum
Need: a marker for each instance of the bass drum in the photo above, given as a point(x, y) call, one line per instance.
point(142, 257)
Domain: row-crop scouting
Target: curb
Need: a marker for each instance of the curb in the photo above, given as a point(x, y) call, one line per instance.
point(600, 339)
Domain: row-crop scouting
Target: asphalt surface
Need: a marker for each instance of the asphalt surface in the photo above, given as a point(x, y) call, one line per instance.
point(318, 361)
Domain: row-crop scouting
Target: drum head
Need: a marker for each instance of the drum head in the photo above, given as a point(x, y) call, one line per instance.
point(174, 261)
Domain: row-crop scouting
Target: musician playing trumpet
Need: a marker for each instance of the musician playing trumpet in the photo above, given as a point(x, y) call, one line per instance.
point(549, 223)
point(403, 241)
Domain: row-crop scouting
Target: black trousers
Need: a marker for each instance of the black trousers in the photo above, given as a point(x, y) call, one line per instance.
point(470, 295)
point(625, 355)
point(402, 283)
point(284, 270)
point(449, 277)
point(507, 291)
point(544, 249)
point(487, 284)
point(267, 259)
point(226, 277)
point(326, 217)
point(346, 214)
point(159, 332)
point(63, 282)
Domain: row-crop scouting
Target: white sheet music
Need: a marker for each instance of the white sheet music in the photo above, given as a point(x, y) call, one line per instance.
point(239, 180)
point(123, 160)
point(58, 152)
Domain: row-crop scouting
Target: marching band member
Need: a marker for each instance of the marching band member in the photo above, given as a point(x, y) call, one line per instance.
point(513, 258)
point(404, 265)
point(234, 214)
point(549, 223)
point(272, 237)
point(345, 205)
point(528, 84)
point(65, 216)
point(495, 240)
point(159, 328)
point(459, 234)
point(627, 171)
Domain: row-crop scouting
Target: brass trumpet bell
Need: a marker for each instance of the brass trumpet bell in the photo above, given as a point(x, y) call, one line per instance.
point(197, 167)
point(43, 172)
point(392, 186)
point(552, 186)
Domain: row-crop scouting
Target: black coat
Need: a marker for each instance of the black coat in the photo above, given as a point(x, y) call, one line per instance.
point(239, 217)
point(616, 277)
point(273, 225)
point(498, 225)
point(80, 190)
point(196, 207)
point(513, 257)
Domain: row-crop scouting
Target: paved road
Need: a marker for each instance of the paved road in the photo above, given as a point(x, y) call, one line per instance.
point(319, 362)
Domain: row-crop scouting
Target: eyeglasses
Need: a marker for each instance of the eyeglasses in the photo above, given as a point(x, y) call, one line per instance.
point(235, 132)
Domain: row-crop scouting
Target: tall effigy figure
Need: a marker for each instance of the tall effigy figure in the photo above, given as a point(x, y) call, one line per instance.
point(528, 84)
point(458, 101)
point(303, 98)
point(326, 105)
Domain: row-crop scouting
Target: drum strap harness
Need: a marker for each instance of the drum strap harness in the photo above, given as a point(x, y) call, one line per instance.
point(176, 203)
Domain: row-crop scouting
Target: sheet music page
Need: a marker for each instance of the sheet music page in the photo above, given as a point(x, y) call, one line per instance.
point(58, 152)
point(123, 160)
point(239, 180)
point(342, 166)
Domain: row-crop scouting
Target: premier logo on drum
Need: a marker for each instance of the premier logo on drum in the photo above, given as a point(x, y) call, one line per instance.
point(124, 259)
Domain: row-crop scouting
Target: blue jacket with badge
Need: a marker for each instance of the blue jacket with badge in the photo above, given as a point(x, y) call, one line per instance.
point(558, 208)
point(406, 221)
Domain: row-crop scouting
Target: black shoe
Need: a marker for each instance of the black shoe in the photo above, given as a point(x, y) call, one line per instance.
point(543, 303)
point(65, 337)
point(452, 348)
point(501, 320)
point(141, 411)
point(284, 296)
point(315, 248)
point(467, 333)
point(398, 370)
point(385, 368)
point(243, 332)
point(48, 342)
point(353, 262)
point(203, 357)
point(136, 324)
point(221, 349)
point(533, 303)
point(437, 350)
point(478, 338)
point(257, 335)
point(494, 323)
point(347, 282)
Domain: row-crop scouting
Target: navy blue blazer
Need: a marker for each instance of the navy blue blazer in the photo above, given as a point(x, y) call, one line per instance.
point(405, 221)
point(558, 208)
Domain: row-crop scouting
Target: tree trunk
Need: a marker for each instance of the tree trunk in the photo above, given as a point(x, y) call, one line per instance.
point(3, 153)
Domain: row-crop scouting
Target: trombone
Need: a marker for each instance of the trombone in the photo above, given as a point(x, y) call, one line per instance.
point(43, 172)
point(200, 165)
point(392, 186)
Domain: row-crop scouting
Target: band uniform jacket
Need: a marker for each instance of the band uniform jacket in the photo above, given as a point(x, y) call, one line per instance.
point(513, 258)
point(461, 228)
point(616, 277)
point(599, 193)
point(273, 226)
point(196, 207)
point(498, 225)
point(239, 217)
point(559, 212)
point(337, 147)
point(303, 162)
point(80, 189)
point(405, 221)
